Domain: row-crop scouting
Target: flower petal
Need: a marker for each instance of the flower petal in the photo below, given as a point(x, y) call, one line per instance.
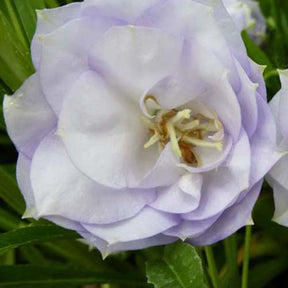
point(231, 220)
point(27, 110)
point(191, 19)
point(61, 190)
point(206, 69)
point(107, 141)
point(222, 186)
point(135, 228)
point(143, 56)
point(264, 151)
point(182, 197)
point(48, 20)
point(127, 10)
point(64, 56)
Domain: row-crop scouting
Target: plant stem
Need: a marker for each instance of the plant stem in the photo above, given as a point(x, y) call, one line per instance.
point(246, 256)
point(212, 266)
point(230, 246)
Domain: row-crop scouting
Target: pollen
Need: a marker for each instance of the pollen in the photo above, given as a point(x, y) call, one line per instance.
point(183, 130)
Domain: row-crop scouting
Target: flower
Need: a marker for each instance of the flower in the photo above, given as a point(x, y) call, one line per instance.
point(277, 177)
point(247, 15)
point(145, 122)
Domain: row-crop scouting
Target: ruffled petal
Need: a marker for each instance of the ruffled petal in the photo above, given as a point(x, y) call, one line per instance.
point(107, 249)
point(188, 229)
point(28, 116)
point(64, 56)
point(61, 190)
point(135, 228)
point(222, 187)
point(48, 20)
point(182, 197)
point(107, 141)
point(247, 101)
point(264, 150)
point(23, 179)
point(143, 56)
point(231, 220)
point(203, 67)
point(125, 10)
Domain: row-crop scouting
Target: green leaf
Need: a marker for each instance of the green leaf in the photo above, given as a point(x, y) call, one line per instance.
point(34, 276)
point(26, 10)
point(10, 193)
point(15, 61)
point(32, 234)
point(180, 267)
point(255, 53)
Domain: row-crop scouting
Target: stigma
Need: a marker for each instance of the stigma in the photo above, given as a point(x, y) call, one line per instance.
point(183, 130)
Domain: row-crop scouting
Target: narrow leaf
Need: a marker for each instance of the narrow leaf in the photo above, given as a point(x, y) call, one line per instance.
point(32, 234)
point(33, 276)
point(15, 62)
point(26, 10)
point(10, 193)
point(180, 267)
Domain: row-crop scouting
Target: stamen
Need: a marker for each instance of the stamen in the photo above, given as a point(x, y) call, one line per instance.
point(173, 138)
point(203, 143)
point(185, 132)
point(154, 139)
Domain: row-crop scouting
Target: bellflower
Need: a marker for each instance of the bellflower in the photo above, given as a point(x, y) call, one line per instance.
point(247, 15)
point(145, 122)
point(277, 176)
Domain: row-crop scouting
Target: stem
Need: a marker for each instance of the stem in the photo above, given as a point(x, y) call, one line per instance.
point(246, 256)
point(212, 266)
point(230, 246)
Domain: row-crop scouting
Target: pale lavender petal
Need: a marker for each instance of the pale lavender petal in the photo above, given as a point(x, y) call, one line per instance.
point(141, 55)
point(182, 197)
point(222, 187)
point(107, 249)
point(191, 228)
point(203, 67)
point(48, 20)
point(231, 220)
point(64, 56)
point(61, 190)
point(23, 178)
point(126, 10)
point(135, 228)
point(264, 150)
point(247, 101)
point(28, 116)
point(278, 172)
point(192, 20)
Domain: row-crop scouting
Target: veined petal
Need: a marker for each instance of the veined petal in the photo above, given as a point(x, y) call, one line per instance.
point(61, 190)
point(28, 116)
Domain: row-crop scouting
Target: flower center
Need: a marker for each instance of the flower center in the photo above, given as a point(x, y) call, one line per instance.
point(183, 130)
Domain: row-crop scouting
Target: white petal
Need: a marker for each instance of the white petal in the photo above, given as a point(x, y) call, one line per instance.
point(281, 203)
